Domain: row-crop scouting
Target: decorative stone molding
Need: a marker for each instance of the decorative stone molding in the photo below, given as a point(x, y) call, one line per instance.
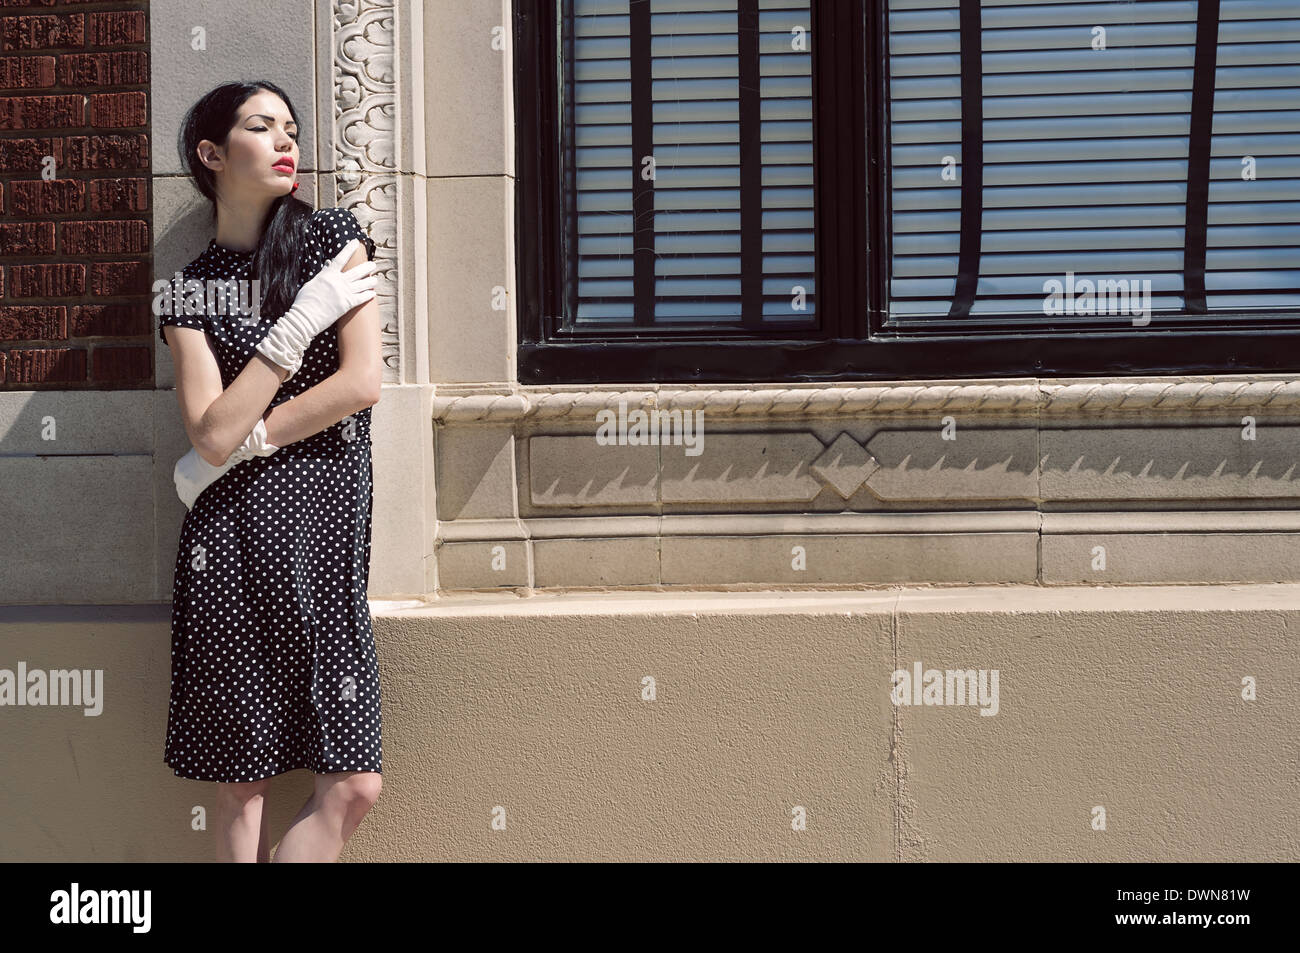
point(1106, 396)
point(792, 467)
point(365, 123)
point(1178, 395)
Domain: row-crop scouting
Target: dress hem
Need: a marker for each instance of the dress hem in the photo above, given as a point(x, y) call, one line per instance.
point(274, 774)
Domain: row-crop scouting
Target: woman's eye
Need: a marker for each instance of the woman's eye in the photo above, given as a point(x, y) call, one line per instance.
point(292, 135)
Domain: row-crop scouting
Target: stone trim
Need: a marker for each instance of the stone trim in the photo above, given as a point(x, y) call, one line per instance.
point(738, 524)
point(365, 146)
point(829, 524)
point(1045, 397)
point(756, 552)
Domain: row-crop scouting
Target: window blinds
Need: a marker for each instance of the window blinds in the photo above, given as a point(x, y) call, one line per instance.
point(688, 154)
point(1083, 141)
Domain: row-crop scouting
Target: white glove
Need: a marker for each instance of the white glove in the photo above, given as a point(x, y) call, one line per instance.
point(326, 297)
point(193, 474)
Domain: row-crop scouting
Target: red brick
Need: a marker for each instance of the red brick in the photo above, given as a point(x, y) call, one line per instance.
point(37, 322)
point(26, 156)
point(109, 237)
point(62, 280)
point(123, 364)
point(119, 195)
point(110, 320)
point(35, 198)
point(118, 28)
point(42, 112)
point(43, 32)
point(27, 72)
point(118, 278)
point(118, 68)
point(105, 152)
point(47, 366)
point(118, 110)
point(27, 238)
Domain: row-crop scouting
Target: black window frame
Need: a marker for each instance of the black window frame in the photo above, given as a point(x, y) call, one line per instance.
point(854, 340)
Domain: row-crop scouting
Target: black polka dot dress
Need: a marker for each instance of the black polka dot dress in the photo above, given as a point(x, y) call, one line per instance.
point(272, 653)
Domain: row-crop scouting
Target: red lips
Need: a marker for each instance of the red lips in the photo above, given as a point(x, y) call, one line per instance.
point(286, 164)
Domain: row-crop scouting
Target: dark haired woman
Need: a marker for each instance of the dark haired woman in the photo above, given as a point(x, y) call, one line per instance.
point(273, 658)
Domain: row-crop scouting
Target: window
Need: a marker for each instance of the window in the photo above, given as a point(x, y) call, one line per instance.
point(686, 143)
point(1094, 148)
point(769, 190)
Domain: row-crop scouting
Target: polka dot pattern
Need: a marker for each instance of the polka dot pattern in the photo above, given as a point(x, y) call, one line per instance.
point(273, 656)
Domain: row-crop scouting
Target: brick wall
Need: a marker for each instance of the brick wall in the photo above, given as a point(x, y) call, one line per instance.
point(75, 224)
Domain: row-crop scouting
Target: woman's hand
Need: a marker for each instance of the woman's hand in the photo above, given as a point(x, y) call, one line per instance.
point(329, 295)
point(192, 474)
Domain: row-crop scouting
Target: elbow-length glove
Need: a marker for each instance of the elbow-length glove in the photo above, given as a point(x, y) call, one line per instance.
point(322, 300)
point(193, 474)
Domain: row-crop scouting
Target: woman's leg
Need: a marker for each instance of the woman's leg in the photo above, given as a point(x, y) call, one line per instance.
point(240, 810)
point(264, 838)
point(334, 810)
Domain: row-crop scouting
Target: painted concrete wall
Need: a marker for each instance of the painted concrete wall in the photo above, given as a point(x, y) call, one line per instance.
point(731, 726)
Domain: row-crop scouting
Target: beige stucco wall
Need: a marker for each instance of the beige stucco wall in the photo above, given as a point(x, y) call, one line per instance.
point(593, 564)
point(765, 707)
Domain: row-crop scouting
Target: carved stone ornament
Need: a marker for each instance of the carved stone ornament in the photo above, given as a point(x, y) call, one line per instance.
point(365, 120)
point(1040, 398)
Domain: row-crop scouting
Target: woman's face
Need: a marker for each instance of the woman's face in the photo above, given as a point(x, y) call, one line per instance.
point(264, 134)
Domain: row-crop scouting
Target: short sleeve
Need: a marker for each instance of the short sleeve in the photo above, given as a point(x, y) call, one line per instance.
point(335, 227)
point(180, 320)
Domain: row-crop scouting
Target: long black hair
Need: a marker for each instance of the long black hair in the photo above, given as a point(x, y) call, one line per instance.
point(278, 251)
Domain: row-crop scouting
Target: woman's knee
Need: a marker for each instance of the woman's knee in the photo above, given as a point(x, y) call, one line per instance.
point(239, 793)
point(359, 791)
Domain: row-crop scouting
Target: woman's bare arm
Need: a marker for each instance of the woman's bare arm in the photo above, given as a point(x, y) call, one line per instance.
point(216, 420)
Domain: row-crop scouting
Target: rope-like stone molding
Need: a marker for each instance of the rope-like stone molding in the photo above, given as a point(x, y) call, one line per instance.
point(365, 150)
point(1176, 396)
point(1119, 397)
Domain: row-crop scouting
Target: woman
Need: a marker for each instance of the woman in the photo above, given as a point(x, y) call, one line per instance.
point(273, 657)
